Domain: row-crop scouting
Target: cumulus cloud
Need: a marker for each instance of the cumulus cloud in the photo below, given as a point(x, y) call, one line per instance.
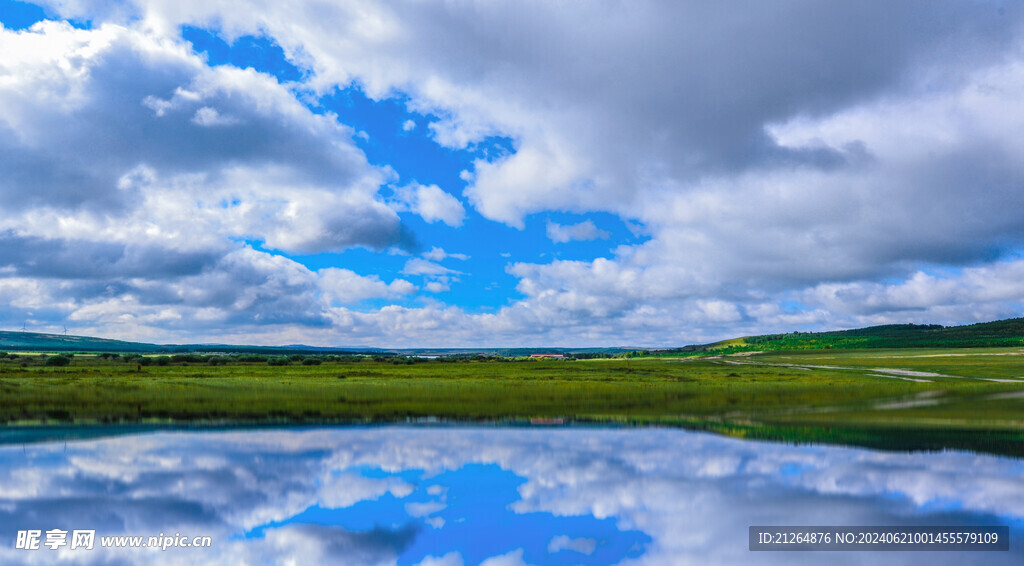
point(762, 175)
point(586, 143)
point(73, 258)
point(347, 287)
point(437, 287)
point(133, 167)
point(132, 170)
point(989, 292)
point(113, 122)
point(245, 287)
point(596, 303)
point(430, 202)
point(582, 231)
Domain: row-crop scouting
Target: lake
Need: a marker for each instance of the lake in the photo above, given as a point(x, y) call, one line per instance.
point(499, 496)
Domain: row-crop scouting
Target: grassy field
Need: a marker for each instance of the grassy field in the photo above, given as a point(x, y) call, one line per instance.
point(955, 398)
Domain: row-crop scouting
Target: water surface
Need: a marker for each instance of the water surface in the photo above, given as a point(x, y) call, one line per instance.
point(495, 496)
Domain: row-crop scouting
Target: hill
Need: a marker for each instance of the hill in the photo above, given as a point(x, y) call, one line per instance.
point(984, 334)
point(38, 342)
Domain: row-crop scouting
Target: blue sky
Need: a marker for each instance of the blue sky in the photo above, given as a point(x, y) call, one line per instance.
point(397, 174)
point(470, 512)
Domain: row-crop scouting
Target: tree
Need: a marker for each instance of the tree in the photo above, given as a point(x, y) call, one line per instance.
point(57, 361)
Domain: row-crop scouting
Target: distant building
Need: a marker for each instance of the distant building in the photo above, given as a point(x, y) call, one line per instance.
point(555, 356)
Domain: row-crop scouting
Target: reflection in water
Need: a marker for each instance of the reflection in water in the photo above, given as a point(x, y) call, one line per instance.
point(451, 496)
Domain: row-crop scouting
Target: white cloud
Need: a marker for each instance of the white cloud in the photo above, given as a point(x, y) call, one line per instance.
point(760, 175)
point(450, 559)
point(989, 293)
point(438, 278)
point(430, 202)
point(438, 254)
point(408, 125)
point(417, 266)
point(347, 287)
point(424, 509)
point(338, 491)
point(207, 116)
point(180, 149)
point(514, 558)
point(580, 545)
point(437, 287)
point(719, 311)
point(582, 231)
point(533, 179)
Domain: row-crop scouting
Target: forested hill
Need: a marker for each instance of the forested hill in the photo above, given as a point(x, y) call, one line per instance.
point(36, 341)
point(985, 334)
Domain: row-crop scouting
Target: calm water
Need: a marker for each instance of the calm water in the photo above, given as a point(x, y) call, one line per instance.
point(496, 496)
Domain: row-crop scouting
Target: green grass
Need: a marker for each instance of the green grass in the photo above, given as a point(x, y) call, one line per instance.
point(780, 395)
point(1000, 333)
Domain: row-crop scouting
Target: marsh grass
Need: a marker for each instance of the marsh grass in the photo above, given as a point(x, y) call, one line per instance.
point(759, 396)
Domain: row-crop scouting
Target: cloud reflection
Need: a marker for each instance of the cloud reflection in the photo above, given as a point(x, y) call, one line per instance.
point(395, 495)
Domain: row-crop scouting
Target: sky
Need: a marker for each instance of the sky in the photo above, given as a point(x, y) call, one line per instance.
point(468, 173)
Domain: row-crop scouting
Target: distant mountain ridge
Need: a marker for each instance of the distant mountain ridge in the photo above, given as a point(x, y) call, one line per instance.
point(41, 342)
point(1008, 332)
